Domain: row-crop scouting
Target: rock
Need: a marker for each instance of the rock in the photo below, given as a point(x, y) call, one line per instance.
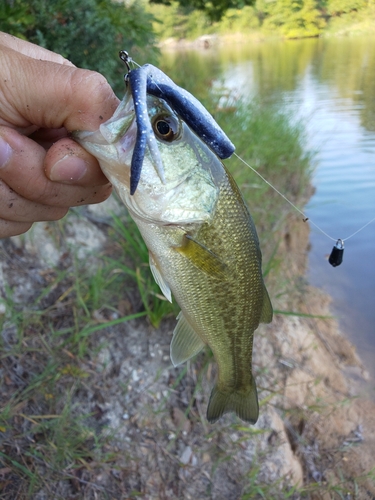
point(42, 242)
point(281, 461)
point(84, 236)
point(301, 389)
point(180, 420)
point(186, 455)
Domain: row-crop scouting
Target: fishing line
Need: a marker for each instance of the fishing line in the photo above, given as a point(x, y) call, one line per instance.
point(335, 259)
point(305, 218)
point(128, 60)
point(336, 256)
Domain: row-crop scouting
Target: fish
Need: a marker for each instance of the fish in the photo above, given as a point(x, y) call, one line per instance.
point(202, 241)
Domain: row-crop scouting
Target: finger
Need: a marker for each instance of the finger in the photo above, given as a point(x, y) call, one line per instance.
point(50, 95)
point(67, 162)
point(31, 50)
point(8, 228)
point(17, 209)
point(23, 171)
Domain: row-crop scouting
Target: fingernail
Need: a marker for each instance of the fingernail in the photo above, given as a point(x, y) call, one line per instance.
point(5, 152)
point(69, 169)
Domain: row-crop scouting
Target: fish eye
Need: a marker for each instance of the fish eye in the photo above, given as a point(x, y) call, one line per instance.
point(166, 128)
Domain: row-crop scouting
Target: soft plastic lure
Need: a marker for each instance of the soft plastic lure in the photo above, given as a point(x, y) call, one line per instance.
point(148, 79)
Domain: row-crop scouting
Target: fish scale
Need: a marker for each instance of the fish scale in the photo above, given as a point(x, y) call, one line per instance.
point(202, 241)
point(223, 310)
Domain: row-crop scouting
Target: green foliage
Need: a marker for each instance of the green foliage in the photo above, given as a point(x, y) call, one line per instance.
point(178, 22)
point(15, 17)
point(240, 20)
point(281, 18)
point(273, 146)
point(215, 9)
point(89, 33)
point(292, 18)
point(338, 7)
point(359, 22)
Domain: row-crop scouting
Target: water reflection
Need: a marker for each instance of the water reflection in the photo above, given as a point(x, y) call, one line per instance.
point(330, 83)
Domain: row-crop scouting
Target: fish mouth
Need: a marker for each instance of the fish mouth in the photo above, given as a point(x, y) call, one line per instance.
point(149, 81)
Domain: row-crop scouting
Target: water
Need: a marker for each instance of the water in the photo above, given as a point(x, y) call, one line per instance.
point(331, 85)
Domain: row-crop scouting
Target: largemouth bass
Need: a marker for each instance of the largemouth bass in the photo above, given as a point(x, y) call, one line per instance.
point(202, 242)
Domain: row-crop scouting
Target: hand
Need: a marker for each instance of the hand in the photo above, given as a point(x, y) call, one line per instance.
point(42, 171)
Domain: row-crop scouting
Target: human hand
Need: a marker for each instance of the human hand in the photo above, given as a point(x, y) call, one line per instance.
point(42, 171)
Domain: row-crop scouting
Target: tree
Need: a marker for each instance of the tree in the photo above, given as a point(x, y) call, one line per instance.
point(338, 7)
point(213, 8)
point(89, 33)
point(292, 18)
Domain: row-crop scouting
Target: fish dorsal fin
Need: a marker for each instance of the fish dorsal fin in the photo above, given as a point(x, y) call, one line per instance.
point(185, 342)
point(164, 287)
point(267, 311)
point(202, 257)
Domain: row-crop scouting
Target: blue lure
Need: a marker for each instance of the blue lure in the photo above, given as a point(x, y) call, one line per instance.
point(150, 80)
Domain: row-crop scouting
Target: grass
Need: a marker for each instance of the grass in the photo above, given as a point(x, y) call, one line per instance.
point(90, 405)
point(44, 357)
point(155, 304)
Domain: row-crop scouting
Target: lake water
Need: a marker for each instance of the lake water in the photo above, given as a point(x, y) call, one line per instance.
point(330, 83)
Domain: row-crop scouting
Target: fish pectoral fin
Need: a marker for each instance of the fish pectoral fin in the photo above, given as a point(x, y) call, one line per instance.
point(267, 311)
point(243, 402)
point(164, 287)
point(186, 343)
point(202, 257)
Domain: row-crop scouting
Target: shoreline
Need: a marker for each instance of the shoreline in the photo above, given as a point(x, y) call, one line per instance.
point(212, 40)
point(209, 42)
point(325, 384)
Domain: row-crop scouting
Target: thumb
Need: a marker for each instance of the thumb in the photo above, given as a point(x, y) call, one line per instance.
point(47, 94)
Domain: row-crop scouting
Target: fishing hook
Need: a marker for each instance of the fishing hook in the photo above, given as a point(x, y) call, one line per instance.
point(124, 56)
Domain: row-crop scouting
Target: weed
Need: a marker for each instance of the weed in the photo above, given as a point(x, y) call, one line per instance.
point(46, 342)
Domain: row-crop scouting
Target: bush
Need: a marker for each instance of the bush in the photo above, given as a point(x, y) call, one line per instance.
point(89, 33)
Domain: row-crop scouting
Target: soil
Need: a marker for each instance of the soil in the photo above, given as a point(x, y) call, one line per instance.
point(316, 429)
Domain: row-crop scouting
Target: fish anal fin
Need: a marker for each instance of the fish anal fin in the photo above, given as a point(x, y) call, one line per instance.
point(186, 343)
point(267, 311)
point(202, 258)
point(158, 277)
point(243, 402)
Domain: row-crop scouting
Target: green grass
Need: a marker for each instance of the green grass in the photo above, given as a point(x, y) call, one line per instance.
point(45, 438)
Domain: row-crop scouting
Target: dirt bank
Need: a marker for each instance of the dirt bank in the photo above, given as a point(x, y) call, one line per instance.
point(314, 434)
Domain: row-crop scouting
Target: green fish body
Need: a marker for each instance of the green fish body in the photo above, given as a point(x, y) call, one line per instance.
point(203, 246)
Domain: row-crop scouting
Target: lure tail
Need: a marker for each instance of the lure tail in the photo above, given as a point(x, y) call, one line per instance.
point(243, 402)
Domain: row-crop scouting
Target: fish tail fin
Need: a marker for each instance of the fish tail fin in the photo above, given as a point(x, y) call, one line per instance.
point(243, 402)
